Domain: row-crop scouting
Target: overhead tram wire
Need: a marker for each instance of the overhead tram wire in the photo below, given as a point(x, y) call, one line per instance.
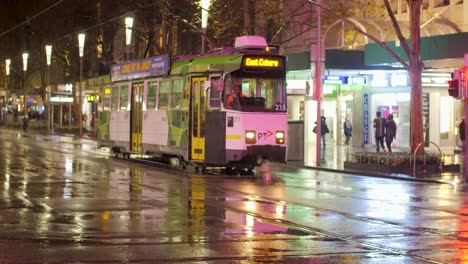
point(31, 18)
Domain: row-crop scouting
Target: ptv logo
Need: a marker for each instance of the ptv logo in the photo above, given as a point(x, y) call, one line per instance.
point(264, 135)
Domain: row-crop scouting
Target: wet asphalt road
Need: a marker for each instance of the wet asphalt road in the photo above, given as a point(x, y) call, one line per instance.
point(64, 201)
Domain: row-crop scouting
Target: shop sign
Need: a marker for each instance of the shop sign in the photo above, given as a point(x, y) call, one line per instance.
point(357, 80)
point(435, 81)
point(334, 79)
point(425, 115)
point(92, 98)
point(65, 87)
point(61, 99)
point(384, 79)
point(399, 79)
point(379, 80)
point(366, 118)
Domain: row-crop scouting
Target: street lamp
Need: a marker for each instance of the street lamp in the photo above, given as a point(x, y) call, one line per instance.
point(205, 4)
point(48, 49)
point(81, 41)
point(128, 34)
point(7, 66)
point(25, 68)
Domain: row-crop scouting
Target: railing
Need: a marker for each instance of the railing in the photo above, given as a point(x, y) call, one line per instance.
point(424, 156)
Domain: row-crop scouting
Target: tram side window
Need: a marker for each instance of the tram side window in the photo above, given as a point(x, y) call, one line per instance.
point(177, 93)
point(164, 94)
point(215, 93)
point(115, 98)
point(151, 103)
point(106, 103)
point(106, 99)
point(123, 97)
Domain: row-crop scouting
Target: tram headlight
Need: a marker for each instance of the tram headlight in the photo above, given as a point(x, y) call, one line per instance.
point(279, 135)
point(250, 137)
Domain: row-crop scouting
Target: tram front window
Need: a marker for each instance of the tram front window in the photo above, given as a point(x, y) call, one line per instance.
point(249, 94)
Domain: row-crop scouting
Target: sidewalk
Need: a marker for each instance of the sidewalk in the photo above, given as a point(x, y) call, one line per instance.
point(334, 156)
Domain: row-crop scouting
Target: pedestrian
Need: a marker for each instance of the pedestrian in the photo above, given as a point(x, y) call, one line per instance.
point(390, 132)
point(323, 129)
point(379, 125)
point(461, 133)
point(348, 130)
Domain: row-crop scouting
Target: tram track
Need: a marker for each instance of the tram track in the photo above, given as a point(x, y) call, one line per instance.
point(292, 223)
point(295, 225)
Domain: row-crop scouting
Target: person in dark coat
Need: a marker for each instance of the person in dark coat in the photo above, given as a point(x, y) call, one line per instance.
point(461, 132)
point(348, 130)
point(323, 129)
point(379, 125)
point(390, 132)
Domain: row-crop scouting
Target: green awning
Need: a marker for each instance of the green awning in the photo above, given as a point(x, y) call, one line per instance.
point(452, 46)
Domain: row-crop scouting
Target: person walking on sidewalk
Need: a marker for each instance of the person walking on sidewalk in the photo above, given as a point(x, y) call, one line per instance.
point(348, 130)
point(461, 133)
point(323, 129)
point(390, 129)
point(379, 125)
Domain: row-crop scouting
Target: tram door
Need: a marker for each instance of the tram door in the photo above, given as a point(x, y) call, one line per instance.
point(136, 116)
point(198, 108)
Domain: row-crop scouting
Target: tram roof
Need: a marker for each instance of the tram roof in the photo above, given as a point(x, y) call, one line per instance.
point(221, 63)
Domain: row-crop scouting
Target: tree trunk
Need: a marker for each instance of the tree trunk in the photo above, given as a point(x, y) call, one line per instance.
point(415, 70)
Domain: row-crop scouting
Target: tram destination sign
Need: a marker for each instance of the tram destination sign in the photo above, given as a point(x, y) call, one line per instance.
point(149, 67)
point(256, 61)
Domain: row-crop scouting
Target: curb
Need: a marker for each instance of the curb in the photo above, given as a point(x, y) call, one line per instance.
point(379, 175)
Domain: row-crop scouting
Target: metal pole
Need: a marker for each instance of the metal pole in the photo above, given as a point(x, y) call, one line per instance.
point(127, 51)
point(6, 99)
point(49, 112)
point(203, 41)
point(24, 95)
point(318, 80)
point(79, 99)
point(465, 99)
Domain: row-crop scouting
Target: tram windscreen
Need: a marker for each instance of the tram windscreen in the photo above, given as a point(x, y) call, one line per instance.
point(254, 94)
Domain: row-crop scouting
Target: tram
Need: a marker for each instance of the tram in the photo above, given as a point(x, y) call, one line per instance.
point(226, 108)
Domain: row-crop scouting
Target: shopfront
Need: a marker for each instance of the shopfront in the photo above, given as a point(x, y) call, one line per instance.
point(390, 93)
point(342, 100)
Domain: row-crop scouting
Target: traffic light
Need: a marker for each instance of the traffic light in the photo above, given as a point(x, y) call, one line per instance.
point(455, 85)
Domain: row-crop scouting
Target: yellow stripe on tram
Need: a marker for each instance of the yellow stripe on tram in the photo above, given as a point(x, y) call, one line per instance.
point(235, 137)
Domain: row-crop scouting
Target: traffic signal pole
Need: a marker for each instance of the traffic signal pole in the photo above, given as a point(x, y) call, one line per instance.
point(465, 100)
point(318, 80)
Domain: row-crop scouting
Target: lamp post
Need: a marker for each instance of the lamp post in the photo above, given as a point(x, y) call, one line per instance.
point(81, 41)
point(7, 71)
point(25, 68)
point(50, 121)
point(128, 35)
point(205, 4)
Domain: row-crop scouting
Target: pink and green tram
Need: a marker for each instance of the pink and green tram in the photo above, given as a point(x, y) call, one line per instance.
point(176, 109)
